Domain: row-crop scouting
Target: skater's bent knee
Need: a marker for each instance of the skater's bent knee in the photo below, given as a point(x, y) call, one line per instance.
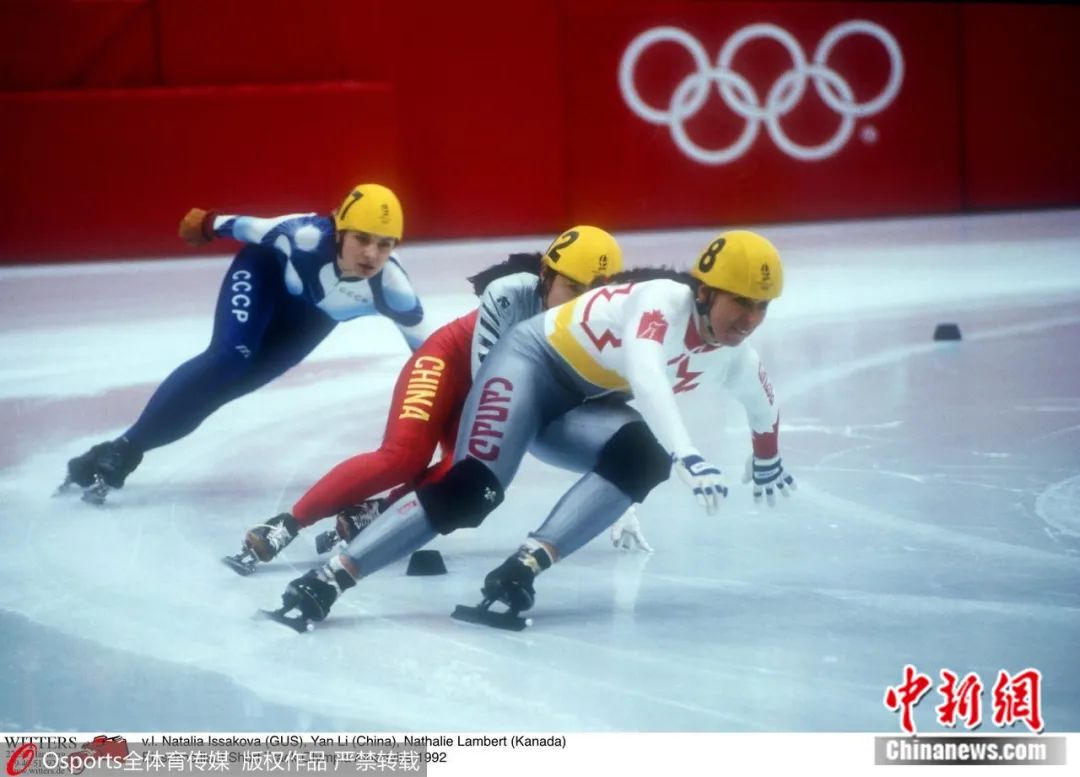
point(463, 498)
point(227, 360)
point(409, 461)
point(634, 461)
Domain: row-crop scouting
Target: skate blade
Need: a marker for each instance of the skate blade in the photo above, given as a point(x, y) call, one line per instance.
point(239, 564)
point(94, 496)
point(326, 541)
point(67, 487)
point(297, 623)
point(481, 615)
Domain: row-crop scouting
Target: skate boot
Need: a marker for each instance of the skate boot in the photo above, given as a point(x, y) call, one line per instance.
point(102, 468)
point(263, 543)
point(311, 595)
point(512, 584)
point(350, 522)
point(512, 581)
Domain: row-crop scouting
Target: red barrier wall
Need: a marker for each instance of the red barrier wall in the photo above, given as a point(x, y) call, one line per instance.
point(65, 44)
point(1021, 83)
point(223, 42)
point(478, 91)
point(482, 118)
point(510, 117)
point(110, 173)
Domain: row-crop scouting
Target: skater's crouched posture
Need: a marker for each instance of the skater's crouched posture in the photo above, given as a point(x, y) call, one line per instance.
point(431, 390)
point(282, 295)
point(645, 337)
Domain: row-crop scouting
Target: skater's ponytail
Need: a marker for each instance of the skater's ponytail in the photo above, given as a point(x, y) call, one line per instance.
point(515, 263)
point(641, 274)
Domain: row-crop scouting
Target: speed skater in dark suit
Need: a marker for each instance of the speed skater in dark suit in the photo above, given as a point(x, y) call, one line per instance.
point(430, 392)
point(643, 336)
point(298, 276)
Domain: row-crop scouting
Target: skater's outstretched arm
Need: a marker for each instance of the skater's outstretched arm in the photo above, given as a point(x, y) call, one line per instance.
point(659, 311)
point(395, 298)
point(748, 381)
point(199, 227)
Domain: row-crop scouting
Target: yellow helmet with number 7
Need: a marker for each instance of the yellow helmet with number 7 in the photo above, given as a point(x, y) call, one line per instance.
point(584, 253)
point(743, 263)
point(371, 208)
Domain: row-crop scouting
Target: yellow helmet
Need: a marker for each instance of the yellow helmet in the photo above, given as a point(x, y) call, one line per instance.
point(583, 254)
point(742, 263)
point(371, 208)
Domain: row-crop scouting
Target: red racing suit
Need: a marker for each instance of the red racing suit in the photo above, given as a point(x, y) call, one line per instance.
point(424, 413)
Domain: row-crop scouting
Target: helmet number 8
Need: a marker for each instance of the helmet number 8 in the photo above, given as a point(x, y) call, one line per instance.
point(708, 259)
point(567, 240)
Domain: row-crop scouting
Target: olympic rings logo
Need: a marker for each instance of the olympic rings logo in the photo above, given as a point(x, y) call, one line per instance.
point(690, 95)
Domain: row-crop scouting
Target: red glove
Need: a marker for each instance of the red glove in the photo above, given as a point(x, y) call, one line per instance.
point(197, 227)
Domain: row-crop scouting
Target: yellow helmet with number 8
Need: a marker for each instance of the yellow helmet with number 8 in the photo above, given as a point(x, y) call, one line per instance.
point(743, 263)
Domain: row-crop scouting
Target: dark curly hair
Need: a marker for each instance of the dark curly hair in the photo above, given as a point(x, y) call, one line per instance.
point(513, 264)
point(640, 274)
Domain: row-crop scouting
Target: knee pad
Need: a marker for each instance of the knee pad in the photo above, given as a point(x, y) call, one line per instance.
point(462, 498)
point(634, 461)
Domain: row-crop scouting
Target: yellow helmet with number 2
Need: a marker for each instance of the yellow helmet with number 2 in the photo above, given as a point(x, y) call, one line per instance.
point(743, 263)
point(584, 253)
point(371, 208)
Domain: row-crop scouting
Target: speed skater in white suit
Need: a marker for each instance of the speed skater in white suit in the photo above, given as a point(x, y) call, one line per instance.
point(648, 334)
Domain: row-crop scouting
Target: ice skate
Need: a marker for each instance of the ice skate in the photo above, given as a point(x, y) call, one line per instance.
point(512, 584)
point(350, 522)
point(481, 614)
point(100, 470)
point(263, 543)
point(242, 563)
point(311, 596)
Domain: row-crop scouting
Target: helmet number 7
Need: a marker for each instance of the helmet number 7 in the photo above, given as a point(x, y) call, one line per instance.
point(356, 195)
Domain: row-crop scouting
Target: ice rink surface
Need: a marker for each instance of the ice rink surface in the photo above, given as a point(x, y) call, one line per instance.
point(937, 521)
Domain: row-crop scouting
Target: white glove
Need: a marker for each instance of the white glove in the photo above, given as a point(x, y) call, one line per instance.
point(768, 476)
point(626, 533)
point(705, 480)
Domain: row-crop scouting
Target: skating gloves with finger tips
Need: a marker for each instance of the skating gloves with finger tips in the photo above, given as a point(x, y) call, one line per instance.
point(703, 478)
point(197, 227)
point(626, 533)
point(768, 476)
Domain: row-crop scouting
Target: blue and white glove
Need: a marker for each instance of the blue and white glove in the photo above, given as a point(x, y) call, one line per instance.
point(626, 533)
point(769, 477)
point(703, 478)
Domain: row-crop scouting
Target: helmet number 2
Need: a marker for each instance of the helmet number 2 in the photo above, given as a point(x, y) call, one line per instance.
point(355, 195)
point(708, 258)
point(561, 244)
